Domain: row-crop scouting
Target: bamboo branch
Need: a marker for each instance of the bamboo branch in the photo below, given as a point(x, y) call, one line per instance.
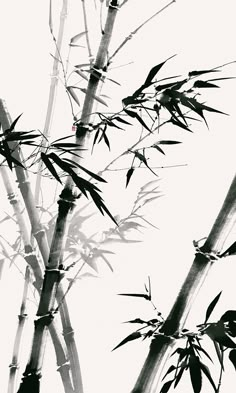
point(52, 94)
point(130, 36)
point(22, 319)
point(162, 345)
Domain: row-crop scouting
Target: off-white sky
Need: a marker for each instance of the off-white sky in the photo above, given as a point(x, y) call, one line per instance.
point(202, 34)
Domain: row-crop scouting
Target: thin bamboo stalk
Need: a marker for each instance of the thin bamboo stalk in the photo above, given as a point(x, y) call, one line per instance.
point(162, 346)
point(52, 95)
point(41, 239)
point(16, 349)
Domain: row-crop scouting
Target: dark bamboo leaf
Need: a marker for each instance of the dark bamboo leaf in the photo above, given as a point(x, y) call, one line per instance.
point(195, 373)
point(232, 328)
point(170, 370)
point(211, 307)
point(197, 73)
point(121, 120)
point(62, 164)
point(164, 142)
point(50, 167)
point(12, 127)
point(229, 315)
point(94, 175)
point(232, 357)
point(101, 206)
point(152, 73)
point(18, 136)
point(106, 140)
point(142, 295)
point(11, 159)
point(131, 337)
point(128, 175)
point(7, 154)
point(73, 146)
point(200, 349)
point(178, 123)
point(204, 84)
point(219, 353)
point(137, 320)
point(166, 387)
point(221, 79)
point(173, 85)
point(179, 376)
point(64, 137)
point(230, 251)
point(217, 332)
point(158, 148)
point(82, 65)
point(206, 371)
point(136, 116)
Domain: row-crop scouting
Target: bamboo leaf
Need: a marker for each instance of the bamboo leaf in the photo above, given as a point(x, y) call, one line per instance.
point(129, 175)
point(131, 337)
point(178, 123)
point(73, 95)
point(12, 127)
point(200, 349)
point(164, 142)
point(170, 370)
point(206, 371)
point(179, 376)
point(93, 95)
point(217, 332)
point(229, 315)
point(137, 320)
point(152, 73)
point(136, 116)
point(121, 120)
point(219, 354)
point(73, 146)
point(166, 387)
point(155, 146)
point(77, 37)
point(230, 251)
point(142, 295)
point(94, 175)
point(211, 307)
point(50, 167)
point(204, 84)
point(232, 357)
point(195, 373)
point(197, 73)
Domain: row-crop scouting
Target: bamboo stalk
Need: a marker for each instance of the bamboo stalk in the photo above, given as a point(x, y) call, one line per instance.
point(162, 345)
point(52, 94)
point(39, 233)
point(22, 319)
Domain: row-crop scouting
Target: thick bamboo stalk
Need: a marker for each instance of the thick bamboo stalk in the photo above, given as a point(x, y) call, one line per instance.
point(52, 95)
point(162, 345)
point(22, 319)
point(39, 233)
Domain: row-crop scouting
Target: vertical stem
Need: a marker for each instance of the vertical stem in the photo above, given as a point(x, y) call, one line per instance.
point(52, 95)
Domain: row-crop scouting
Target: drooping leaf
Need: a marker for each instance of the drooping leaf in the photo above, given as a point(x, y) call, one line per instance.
point(179, 375)
point(219, 353)
point(94, 175)
point(195, 373)
point(166, 387)
point(50, 167)
point(211, 307)
point(204, 84)
point(101, 206)
point(232, 357)
point(200, 349)
point(129, 175)
point(131, 337)
point(157, 147)
point(99, 99)
point(142, 295)
point(197, 73)
point(170, 370)
point(121, 120)
point(135, 115)
point(178, 123)
point(206, 371)
point(71, 146)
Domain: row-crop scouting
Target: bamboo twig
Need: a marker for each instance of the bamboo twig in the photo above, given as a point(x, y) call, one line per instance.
point(52, 94)
point(162, 345)
point(130, 36)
